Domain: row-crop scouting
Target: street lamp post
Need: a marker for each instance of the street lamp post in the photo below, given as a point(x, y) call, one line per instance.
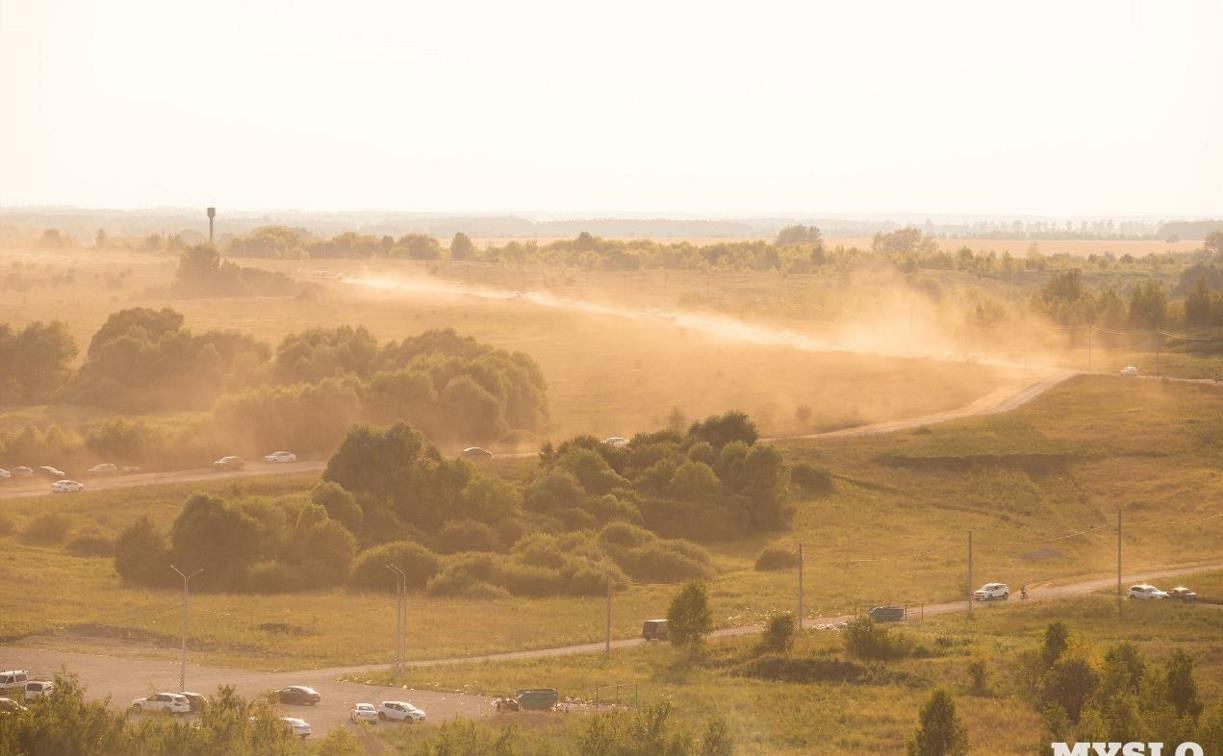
point(401, 620)
point(182, 673)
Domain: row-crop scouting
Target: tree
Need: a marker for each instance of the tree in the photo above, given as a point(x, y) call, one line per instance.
point(461, 247)
point(141, 556)
point(689, 619)
point(1181, 689)
point(341, 505)
point(779, 633)
point(1057, 640)
point(1070, 683)
point(1197, 303)
point(217, 536)
point(799, 235)
point(1214, 243)
point(1148, 305)
point(35, 361)
point(720, 430)
point(940, 732)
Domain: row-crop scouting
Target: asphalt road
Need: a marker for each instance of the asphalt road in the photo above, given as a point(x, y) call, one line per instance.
point(122, 678)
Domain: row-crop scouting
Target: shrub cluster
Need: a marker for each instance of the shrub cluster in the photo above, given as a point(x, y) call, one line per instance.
point(776, 557)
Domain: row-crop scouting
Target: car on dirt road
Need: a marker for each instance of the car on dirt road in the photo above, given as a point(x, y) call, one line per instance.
point(301, 728)
point(13, 681)
point(1181, 593)
point(655, 629)
point(22, 472)
point(1129, 371)
point(67, 486)
point(54, 473)
point(886, 613)
point(475, 452)
point(280, 458)
point(298, 694)
point(363, 712)
point(168, 703)
point(5, 474)
point(400, 711)
point(1145, 591)
point(616, 442)
point(229, 463)
point(992, 592)
point(35, 689)
point(9, 706)
point(196, 700)
point(537, 699)
point(106, 468)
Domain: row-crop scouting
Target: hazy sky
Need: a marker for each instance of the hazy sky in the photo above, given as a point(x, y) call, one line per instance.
point(1059, 108)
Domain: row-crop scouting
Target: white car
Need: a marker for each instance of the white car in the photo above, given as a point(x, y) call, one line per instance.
point(1145, 591)
point(67, 486)
point(13, 680)
point(280, 457)
point(992, 592)
point(301, 727)
point(5, 474)
point(363, 712)
point(475, 452)
point(171, 703)
point(401, 711)
point(106, 468)
point(616, 442)
point(38, 688)
point(1129, 371)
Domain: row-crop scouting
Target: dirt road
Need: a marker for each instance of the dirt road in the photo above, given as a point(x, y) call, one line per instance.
point(124, 678)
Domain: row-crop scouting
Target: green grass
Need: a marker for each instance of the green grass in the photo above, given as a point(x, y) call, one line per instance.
point(891, 532)
point(864, 717)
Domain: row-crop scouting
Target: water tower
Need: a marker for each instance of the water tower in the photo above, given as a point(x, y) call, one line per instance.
point(212, 213)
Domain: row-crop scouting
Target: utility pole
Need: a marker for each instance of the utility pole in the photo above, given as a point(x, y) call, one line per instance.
point(1159, 340)
point(607, 641)
point(1090, 330)
point(800, 586)
point(400, 614)
point(970, 574)
point(1119, 599)
point(182, 673)
point(212, 213)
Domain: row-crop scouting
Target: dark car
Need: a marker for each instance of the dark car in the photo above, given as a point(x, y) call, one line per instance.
point(537, 699)
point(196, 700)
point(655, 629)
point(229, 463)
point(1182, 593)
point(887, 613)
point(298, 694)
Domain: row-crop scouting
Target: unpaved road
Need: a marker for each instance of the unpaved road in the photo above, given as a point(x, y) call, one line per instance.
point(124, 678)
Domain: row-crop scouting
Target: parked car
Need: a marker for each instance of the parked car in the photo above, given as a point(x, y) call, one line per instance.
point(400, 711)
point(67, 486)
point(22, 472)
point(1181, 593)
point(887, 613)
point(229, 463)
point(35, 689)
point(1129, 371)
point(301, 727)
point(655, 629)
point(537, 699)
point(363, 712)
point(616, 442)
point(106, 468)
point(475, 452)
point(9, 706)
point(5, 474)
point(170, 703)
point(298, 694)
point(505, 704)
point(992, 592)
point(54, 473)
point(1145, 591)
point(13, 681)
point(195, 700)
point(280, 458)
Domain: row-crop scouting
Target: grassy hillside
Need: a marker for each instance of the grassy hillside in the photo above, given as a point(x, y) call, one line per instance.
point(895, 529)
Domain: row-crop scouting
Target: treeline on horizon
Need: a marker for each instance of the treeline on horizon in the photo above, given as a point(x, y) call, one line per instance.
point(589, 515)
point(303, 395)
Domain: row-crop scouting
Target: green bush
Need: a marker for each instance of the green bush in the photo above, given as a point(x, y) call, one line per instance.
point(460, 584)
point(779, 633)
point(864, 639)
point(466, 535)
point(775, 557)
point(369, 571)
point(48, 528)
point(664, 561)
point(814, 481)
point(91, 544)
